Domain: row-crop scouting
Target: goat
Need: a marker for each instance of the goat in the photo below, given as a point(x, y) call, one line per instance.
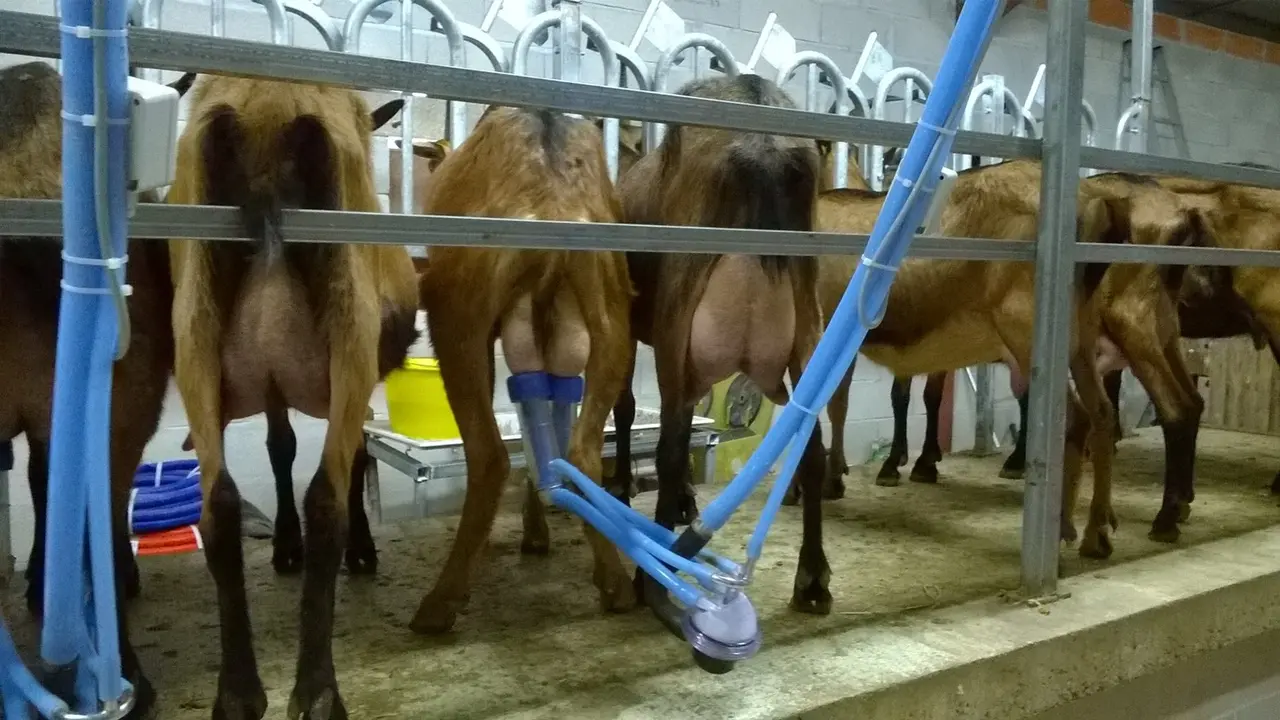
point(1233, 301)
point(707, 316)
point(30, 294)
point(944, 315)
point(262, 327)
point(556, 312)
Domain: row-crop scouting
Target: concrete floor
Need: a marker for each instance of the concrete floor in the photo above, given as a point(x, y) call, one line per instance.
point(918, 576)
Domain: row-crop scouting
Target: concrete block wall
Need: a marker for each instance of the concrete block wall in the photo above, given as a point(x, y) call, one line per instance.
point(1227, 86)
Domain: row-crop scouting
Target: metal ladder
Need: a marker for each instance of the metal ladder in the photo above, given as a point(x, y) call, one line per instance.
point(1161, 82)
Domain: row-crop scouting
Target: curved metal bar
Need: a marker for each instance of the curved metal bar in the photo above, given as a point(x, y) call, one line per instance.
point(443, 17)
point(542, 22)
point(551, 18)
point(671, 57)
point(654, 131)
point(485, 43)
point(612, 78)
point(630, 60)
point(1013, 106)
point(608, 59)
point(1090, 122)
point(875, 159)
point(278, 20)
point(1125, 119)
point(317, 18)
point(817, 60)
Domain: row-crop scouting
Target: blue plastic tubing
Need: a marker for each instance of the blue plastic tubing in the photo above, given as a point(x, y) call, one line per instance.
point(908, 199)
point(79, 481)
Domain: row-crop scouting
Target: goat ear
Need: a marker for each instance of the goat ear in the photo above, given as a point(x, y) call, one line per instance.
point(434, 153)
point(824, 148)
point(632, 137)
point(385, 112)
point(184, 83)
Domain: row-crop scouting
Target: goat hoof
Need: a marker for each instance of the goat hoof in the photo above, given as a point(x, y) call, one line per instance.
point(144, 698)
point(1096, 544)
point(888, 478)
point(1014, 468)
point(286, 558)
point(1067, 531)
point(1162, 534)
point(1275, 485)
point(318, 703)
point(811, 595)
point(435, 615)
point(688, 510)
point(249, 703)
point(617, 590)
point(833, 488)
point(362, 559)
point(1184, 511)
point(926, 474)
point(535, 545)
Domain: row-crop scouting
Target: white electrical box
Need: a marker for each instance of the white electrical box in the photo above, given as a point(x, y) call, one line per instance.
point(153, 134)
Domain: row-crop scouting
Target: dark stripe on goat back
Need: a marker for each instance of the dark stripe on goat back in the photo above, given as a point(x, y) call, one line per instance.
point(30, 93)
point(772, 189)
point(301, 173)
point(555, 132)
point(744, 88)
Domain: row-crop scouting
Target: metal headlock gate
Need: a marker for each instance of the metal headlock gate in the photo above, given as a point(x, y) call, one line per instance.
point(85, 638)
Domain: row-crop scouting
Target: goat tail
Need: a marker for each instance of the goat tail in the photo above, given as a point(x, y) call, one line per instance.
point(773, 189)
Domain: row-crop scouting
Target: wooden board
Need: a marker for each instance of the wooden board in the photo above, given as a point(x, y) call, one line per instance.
point(1240, 385)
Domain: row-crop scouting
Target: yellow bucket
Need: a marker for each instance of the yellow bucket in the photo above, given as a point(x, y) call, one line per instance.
point(416, 403)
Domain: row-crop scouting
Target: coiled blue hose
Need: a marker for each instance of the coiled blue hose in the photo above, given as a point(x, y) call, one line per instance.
point(166, 495)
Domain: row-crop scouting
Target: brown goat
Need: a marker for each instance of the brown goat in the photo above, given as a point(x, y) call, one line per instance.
point(708, 316)
point(30, 271)
point(986, 315)
point(555, 311)
point(265, 326)
point(1229, 301)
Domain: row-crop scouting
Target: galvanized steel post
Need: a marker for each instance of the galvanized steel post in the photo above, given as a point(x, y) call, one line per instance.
point(1055, 272)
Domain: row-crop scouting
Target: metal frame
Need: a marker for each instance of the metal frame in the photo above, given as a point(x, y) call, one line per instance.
point(397, 451)
point(1055, 252)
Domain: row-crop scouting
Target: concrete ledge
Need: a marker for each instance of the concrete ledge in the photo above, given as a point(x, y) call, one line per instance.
point(989, 659)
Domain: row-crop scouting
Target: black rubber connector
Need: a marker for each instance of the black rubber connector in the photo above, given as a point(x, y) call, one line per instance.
point(712, 665)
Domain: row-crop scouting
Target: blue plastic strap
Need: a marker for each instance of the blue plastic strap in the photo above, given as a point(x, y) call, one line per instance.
point(522, 387)
point(567, 389)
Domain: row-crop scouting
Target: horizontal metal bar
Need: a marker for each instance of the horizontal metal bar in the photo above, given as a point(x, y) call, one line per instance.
point(1104, 159)
point(1159, 255)
point(398, 459)
point(37, 35)
point(43, 218)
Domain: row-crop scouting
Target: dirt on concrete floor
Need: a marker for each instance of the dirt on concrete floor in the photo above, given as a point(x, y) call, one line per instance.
point(533, 635)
